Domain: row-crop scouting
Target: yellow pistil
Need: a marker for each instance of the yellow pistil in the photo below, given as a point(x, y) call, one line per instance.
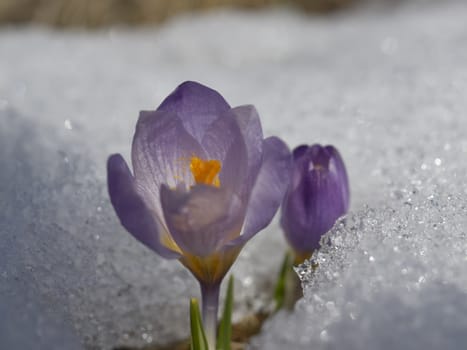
point(205, 171)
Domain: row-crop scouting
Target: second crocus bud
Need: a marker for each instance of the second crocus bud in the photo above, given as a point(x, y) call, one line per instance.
point(318, 195)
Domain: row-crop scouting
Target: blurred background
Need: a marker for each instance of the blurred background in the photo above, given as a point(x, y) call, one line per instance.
point(382, 80)
point(98, 13)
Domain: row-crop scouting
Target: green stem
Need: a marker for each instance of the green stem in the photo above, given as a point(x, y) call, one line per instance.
point(293, 289)
point(292, 284)
point(210, 300)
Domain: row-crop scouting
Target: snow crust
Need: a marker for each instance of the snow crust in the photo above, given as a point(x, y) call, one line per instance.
point(387, 89)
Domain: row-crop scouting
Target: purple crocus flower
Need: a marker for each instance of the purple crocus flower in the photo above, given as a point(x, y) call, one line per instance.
point(317, 197)
point(205, 182)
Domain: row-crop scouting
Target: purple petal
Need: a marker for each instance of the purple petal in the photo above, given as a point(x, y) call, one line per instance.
point(224, 141)
point(196, 105)
point(337, 167)
point(268, 191)
point(133, 213)
point(299, 151)
point(161, 154)
point(250, 127)
point(318, 196)
point(319, 156)
point(202, 219)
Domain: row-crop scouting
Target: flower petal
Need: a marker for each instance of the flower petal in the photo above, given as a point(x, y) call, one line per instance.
point(299, 152)
point(224, 141)
point(337, 167)
point(202, 219)
point(132, 211)
point(268, 191)
point(161, 153)
point(304, 225)
point(294, 218)
point(250, 127)
point(196, 105)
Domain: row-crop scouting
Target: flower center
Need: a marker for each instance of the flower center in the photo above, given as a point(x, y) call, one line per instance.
point(205, 171)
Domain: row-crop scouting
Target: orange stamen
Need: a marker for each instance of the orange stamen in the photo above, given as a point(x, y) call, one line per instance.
point(205, 171)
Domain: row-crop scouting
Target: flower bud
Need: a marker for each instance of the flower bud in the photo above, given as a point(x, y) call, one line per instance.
point(318, 195)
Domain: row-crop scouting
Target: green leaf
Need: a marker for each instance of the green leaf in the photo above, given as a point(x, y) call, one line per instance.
point(198, 337)
point(279, 292)
point(224, 336)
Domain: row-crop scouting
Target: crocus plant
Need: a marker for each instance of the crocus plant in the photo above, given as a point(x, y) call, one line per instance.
point(317, 197)
point(204, 182)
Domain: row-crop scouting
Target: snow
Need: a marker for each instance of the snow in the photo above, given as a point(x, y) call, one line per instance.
point(386, 88)
point(27, 325)
point(388, 277)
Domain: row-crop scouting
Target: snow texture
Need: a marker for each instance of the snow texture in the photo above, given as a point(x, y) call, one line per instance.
point(386, 88)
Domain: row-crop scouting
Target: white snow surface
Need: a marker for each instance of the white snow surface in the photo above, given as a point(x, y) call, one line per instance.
point(386, 88)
